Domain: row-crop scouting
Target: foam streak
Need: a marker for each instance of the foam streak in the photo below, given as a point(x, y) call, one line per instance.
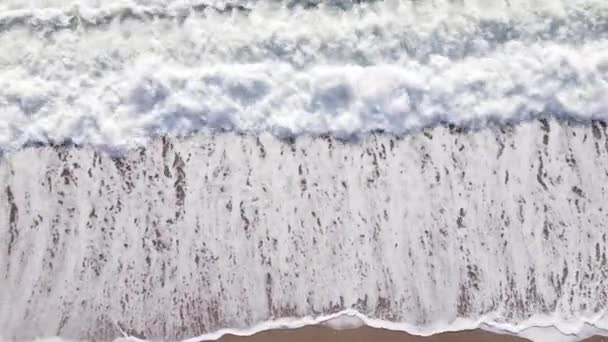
point(500, 226)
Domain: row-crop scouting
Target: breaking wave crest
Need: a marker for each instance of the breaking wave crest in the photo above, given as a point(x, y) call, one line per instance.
point(114, 74)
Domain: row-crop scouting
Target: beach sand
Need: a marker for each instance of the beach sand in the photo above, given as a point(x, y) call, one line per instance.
point(365, 334)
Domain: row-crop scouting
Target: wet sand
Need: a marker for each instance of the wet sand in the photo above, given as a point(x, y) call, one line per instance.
point(364, 334)
point(367, 334)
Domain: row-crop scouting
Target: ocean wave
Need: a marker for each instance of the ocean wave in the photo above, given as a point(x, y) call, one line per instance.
point(169, 68)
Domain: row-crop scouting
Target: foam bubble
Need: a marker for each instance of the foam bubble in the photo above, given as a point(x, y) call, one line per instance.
point(344, 321)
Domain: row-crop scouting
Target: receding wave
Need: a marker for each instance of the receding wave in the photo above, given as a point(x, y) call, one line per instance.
point(501, 228)
point(115, 74)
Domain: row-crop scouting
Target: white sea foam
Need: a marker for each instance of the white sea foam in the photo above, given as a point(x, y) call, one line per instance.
point(499, 228)
point(114, 73)
point(538, 329)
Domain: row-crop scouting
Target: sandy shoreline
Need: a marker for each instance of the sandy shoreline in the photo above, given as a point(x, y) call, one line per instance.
point(321, 334)
point(364, 334)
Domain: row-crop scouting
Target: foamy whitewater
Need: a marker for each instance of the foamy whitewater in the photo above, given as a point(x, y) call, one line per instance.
point(237, 200)
point(115, 73)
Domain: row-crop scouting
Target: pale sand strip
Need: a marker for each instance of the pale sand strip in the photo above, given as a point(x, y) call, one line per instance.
point(367, 334)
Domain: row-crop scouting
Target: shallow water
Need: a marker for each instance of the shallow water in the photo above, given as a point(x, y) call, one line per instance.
point(502, 227)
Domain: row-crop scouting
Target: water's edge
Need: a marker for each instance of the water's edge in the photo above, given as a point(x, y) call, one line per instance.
point(538, 329)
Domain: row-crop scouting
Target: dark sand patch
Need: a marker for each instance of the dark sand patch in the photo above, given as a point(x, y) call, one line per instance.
point(324, 334)
point(368, 334)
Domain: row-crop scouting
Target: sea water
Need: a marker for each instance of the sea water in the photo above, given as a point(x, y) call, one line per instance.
point(423, 166)
point(113, 74)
